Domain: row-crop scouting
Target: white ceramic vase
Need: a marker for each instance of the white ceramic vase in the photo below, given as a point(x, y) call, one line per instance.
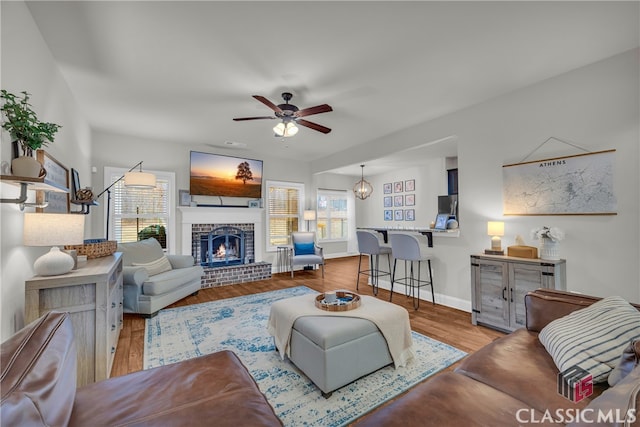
point(549, 249)
point(53, 263)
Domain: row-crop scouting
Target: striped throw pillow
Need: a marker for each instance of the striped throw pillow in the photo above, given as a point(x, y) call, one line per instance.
point(158, 266)
point(592, 338)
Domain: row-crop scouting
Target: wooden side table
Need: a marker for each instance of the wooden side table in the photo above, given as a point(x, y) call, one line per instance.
point(92, 294)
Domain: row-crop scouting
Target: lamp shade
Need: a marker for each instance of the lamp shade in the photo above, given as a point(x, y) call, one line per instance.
point(139, 179)
point(309, 215)
point(51, 230)
point(48, 229)
point(495, 228)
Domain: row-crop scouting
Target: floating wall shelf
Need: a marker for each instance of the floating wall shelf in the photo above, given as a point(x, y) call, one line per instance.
point(26, 183)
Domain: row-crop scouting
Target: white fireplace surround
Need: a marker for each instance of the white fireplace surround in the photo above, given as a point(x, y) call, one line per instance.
point(209, 215)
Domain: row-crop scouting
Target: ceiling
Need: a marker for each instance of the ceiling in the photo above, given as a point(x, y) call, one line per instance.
point(180, 71)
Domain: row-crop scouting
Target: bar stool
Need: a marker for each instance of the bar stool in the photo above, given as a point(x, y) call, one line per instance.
point(411, 248)
point(369, 244)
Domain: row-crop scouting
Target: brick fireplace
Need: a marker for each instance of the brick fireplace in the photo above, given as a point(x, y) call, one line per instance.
point(227, 242)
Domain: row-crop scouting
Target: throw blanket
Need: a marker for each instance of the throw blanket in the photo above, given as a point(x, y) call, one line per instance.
point(391, 319)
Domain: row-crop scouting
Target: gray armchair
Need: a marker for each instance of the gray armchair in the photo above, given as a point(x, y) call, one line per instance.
point(304, 250)
point(153, 280)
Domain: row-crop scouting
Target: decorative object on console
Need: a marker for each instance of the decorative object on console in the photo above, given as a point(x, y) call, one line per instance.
point(24, 127)
point(362, 189)
point(549, 238)
point(50, 230)
point(520, 250)
point(309, 215)
point(94, 248)
point(495, 229)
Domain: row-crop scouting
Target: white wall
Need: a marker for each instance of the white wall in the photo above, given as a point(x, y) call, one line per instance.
point(27, 65)
point(596, 107)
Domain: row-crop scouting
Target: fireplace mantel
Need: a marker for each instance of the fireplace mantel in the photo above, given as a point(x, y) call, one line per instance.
point(208, 215)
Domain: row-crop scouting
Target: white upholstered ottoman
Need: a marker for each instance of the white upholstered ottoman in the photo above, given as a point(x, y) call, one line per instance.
point(334, 351)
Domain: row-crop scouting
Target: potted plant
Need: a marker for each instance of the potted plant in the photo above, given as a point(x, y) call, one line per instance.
point(24, 127)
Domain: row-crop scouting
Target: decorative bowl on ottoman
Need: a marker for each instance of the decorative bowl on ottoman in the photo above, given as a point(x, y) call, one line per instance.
point(338, 301)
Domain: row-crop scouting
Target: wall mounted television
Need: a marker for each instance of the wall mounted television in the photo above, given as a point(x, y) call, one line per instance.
point(224, 176)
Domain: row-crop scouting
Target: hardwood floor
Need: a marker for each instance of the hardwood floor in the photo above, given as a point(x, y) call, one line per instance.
point(436, 321)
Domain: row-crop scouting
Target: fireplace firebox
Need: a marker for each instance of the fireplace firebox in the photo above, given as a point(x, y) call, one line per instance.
point(222, 246)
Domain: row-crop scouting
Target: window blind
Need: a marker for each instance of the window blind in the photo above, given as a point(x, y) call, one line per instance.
point(140, 213)
point(283, 212)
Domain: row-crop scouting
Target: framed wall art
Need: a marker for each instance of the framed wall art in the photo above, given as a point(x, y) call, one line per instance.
point(386, 188)
point(441, 221)
point(57, 174)
point(184, 197)
point(409, 215)
point(574, 185)
point(388, 201)
point(388, 215)
point(398, 201)
point(398, 215)
point(410, 185)
point(410, 200)
point(397, 187)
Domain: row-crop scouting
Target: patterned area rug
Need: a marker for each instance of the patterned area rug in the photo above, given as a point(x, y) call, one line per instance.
point(240, 324)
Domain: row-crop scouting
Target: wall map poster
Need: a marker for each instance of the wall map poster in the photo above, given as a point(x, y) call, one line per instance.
point(572, 185)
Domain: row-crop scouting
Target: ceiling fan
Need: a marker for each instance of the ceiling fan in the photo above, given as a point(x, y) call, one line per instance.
point(290, 115)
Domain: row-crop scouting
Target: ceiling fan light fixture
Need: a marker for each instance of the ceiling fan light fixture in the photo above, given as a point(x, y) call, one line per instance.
point(363, 188)
point(285, 129)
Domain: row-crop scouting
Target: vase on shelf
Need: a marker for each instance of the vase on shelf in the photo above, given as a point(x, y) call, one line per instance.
point(549, 249)
point(27, 166)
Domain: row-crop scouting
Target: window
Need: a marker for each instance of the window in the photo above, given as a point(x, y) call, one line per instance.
point(284, 212)
point(332, 215)
point(138, 214)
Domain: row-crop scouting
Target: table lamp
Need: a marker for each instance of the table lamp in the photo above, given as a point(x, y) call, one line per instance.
point(48, 229)
point(309, 215)
point(495, 229)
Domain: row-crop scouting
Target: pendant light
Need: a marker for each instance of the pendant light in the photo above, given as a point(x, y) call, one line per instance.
point(362, 189)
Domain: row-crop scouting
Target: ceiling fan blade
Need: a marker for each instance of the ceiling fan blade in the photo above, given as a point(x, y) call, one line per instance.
point(240, 119)
point(324, 108)
point(268, 103)
point(313, 126)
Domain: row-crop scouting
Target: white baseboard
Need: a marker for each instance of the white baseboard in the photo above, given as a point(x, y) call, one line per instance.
point(425, 295)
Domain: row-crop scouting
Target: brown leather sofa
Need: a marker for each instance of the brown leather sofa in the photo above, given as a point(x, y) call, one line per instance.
point(38, 387)
point(513, 381)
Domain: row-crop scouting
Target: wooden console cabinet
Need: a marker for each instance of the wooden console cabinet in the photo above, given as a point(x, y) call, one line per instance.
point(499, 284)
point(93, 296)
